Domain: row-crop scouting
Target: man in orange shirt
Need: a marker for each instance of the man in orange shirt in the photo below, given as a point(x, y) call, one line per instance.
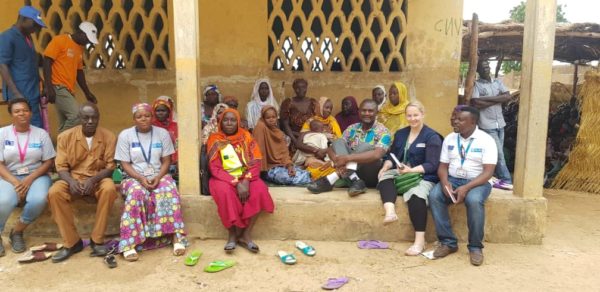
point(63, 66)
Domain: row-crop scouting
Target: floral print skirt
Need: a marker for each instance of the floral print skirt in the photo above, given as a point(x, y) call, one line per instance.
point(151, 219)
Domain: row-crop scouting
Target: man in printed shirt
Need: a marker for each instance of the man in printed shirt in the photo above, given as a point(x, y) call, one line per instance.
point(357, 155)
point(63, 67)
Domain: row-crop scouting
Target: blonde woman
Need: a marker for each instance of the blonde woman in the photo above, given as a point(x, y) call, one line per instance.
point(417, 148)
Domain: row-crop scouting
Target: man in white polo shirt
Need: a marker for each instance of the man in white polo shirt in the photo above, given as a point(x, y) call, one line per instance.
point(467, 162)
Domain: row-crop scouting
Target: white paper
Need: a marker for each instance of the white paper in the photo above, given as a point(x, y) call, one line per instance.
point(428, 254)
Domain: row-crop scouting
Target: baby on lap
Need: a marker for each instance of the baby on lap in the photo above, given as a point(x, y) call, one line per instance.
point(315, 138)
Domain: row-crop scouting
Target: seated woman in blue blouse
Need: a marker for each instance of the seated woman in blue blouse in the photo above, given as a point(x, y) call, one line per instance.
point(417, 148)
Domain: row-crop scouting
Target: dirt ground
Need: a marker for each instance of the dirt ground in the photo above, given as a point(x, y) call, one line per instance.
point(569, 259)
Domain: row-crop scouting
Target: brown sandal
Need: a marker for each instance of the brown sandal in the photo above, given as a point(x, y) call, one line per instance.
point(34, 256)
point(47, 246)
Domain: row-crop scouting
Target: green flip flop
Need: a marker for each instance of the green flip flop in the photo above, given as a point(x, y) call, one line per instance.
point(286, 258)
point(218, 266)
point(193, 258)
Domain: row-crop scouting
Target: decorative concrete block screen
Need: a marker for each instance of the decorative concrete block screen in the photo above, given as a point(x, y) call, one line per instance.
point(337, 35)
point(132, 34)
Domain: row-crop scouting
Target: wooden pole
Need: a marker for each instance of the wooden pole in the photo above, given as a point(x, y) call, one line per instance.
point(473, 58)
point(499, 65)
point(575, 79)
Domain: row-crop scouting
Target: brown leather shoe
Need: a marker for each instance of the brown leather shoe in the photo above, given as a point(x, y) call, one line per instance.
point(443, 250)
point(476, 257)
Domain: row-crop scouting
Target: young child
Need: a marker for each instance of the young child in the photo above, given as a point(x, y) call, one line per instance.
point(315, 138)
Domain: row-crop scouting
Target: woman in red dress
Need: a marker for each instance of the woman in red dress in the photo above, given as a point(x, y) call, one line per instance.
point(235, 184)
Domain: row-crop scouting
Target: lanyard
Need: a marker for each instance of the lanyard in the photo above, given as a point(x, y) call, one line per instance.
point(22, 151)
point(28, 41)
point(463, 152)
point(405, 157)
point(147, 158)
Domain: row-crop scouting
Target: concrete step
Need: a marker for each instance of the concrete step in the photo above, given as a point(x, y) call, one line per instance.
point(331, 217)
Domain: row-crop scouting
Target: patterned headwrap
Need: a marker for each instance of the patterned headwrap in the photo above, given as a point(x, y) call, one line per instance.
point(379, 106)
point(141, 106)
point(214, 88)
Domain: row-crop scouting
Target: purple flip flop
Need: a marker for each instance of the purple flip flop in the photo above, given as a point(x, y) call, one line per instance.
point(335, 283)
point(372, 244)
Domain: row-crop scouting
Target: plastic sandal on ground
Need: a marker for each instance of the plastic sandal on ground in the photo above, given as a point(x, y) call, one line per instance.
point(218, 266)
point(335, 283)
point(193, 258)
point(34, 256)
point(372, 244)
point(306, 249)
point(47, 246)
point(286, 258)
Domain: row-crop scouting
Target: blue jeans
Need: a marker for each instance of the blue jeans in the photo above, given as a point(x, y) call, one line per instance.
point(35, 201)
point(501, 170)
point(280, 176)
point(475, 204)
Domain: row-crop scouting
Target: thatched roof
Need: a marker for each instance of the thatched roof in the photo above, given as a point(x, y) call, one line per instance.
point(574, 41)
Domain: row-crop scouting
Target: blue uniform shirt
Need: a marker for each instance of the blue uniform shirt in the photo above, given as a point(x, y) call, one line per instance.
point(22, 62)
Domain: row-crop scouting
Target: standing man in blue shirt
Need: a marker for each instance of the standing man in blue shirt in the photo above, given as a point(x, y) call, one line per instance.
point(19, 61)
point(488, 96)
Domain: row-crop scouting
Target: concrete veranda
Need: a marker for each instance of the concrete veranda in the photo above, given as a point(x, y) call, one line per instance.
point(568, 259)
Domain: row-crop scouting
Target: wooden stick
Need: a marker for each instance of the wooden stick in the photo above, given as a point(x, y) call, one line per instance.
point(575, 79)
point(499, 65)
point(473, 58)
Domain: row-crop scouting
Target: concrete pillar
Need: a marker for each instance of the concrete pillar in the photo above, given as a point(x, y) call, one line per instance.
point(536, 75)
point(187, 70)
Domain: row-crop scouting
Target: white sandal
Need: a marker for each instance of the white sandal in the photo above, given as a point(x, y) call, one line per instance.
point(131, 255)
point(388, 219)
point(178, 249)
point(414, 250)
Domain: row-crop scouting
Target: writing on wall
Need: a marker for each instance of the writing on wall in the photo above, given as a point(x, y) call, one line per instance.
point(448, 26)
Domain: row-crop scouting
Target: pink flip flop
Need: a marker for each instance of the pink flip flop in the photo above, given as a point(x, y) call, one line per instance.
point(335, 283)
point(373, 244)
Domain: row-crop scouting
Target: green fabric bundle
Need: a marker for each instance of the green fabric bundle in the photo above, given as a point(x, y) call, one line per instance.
point(407, 181)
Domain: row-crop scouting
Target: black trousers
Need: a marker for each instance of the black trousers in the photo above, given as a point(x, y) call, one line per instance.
point(417, 207)
point(365, 171)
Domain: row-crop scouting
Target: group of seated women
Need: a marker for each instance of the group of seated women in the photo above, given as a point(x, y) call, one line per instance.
point(288, 145)
point(283, 144)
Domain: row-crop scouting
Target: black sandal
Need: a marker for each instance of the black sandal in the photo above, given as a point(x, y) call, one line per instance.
point(250, 246)
point(230, 247)
point(110, 260)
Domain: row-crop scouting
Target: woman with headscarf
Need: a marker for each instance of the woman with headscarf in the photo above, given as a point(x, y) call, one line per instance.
point(379, 95)
point(232, 102)
point(152, 215)
point(212, 96)
point(276, 160)
point(392, 113)
point(296, 110)
point(323, 115)
point(235, 184)
point(262, 95)
point(349, 113)
point(163, 118)
point(212, 126)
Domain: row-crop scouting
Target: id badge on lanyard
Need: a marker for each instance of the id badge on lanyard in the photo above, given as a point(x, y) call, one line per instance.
point(22, 152)
point(148, 171)
point(461, 172)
